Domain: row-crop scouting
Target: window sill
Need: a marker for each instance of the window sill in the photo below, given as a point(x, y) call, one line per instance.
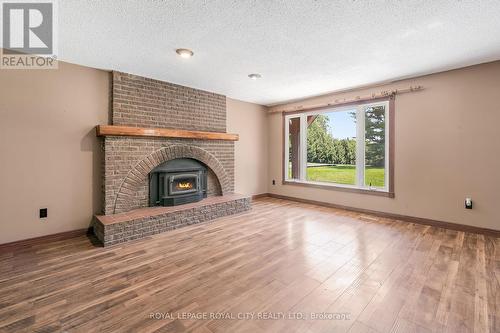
point(336, 187)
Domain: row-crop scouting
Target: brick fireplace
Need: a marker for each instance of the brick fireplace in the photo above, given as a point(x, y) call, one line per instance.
point(131, 161)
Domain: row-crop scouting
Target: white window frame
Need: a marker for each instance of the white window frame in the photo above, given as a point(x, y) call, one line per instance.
point(360, 146)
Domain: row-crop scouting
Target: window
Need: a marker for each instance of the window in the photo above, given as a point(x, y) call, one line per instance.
point(345, 147)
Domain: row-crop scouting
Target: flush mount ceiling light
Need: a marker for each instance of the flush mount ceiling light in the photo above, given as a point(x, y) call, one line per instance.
point(184, 53)
point(255, 76)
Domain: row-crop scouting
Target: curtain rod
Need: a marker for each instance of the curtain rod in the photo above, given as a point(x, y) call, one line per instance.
point(343, 101)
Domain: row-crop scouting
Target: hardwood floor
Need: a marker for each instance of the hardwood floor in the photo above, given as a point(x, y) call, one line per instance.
point(279, 262)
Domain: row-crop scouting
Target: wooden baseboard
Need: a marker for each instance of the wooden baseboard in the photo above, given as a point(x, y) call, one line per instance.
point(412, 219)
point(13, 246)
point(257, 196)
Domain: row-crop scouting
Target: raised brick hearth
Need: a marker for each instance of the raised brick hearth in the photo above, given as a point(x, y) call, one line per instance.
point(143, 102)
point(143, 222)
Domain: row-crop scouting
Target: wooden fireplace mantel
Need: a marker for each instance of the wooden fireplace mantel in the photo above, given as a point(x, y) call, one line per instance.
point(113, 130)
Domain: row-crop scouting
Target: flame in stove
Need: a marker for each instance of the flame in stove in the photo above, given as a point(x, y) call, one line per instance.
point(184, 186)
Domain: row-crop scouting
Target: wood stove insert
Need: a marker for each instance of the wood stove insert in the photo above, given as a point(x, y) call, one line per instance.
point(177, 182)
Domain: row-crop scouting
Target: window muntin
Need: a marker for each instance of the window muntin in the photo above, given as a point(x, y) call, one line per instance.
point(345, 146)
point(293, 148)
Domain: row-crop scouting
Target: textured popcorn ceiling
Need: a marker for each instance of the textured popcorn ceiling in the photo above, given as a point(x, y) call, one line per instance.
point(301, 48)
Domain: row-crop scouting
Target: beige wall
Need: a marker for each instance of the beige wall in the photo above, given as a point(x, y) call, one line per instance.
point(50, 156)
point(250, 122)
point(446, 147)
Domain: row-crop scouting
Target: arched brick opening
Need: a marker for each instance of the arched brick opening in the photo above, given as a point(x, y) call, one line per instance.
point(135, 177)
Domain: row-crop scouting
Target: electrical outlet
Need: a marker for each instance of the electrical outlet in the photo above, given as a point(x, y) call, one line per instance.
point(43, 213)
point(468, 203)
